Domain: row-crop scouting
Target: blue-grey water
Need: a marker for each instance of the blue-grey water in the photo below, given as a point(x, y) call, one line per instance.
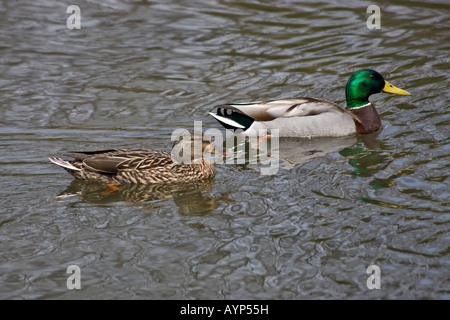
point(137, 70)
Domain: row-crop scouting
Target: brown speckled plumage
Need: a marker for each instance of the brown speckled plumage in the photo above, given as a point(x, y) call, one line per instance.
point(135, 166)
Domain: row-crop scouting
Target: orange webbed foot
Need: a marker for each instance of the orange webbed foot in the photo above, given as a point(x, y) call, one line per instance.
point(111, 189)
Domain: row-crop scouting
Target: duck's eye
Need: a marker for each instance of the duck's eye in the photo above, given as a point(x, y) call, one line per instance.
point(371, 76)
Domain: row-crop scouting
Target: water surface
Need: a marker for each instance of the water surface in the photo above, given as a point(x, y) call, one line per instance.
point(137, 70)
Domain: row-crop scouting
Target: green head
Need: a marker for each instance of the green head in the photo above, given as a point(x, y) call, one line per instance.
point(364, 83)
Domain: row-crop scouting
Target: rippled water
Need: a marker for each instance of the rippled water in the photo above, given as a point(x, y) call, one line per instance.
point(136, 70)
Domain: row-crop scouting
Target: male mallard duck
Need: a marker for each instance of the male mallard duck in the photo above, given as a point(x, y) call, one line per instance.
point(312, 117)
point(143, 166)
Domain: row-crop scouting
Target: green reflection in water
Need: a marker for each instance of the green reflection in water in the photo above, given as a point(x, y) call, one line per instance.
point(368, 160)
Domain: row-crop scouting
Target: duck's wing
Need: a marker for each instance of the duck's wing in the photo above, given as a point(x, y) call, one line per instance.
point(115, 160)
point(242, 115)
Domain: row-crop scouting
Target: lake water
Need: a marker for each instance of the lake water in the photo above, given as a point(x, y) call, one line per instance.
point(137, 70)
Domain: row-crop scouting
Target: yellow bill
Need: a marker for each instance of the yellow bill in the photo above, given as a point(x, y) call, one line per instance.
point(393, 89)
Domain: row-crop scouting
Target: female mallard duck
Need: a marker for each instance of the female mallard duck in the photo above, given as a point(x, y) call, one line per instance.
point(312, 117)
point(144, 166)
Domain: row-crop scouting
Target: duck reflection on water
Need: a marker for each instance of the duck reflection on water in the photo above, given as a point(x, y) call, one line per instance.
point(291, 152)
point(191, 198)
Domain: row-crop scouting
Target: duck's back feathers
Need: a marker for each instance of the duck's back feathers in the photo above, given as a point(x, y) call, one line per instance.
point(115, 160)
point(283, 108)
point(300, 117)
